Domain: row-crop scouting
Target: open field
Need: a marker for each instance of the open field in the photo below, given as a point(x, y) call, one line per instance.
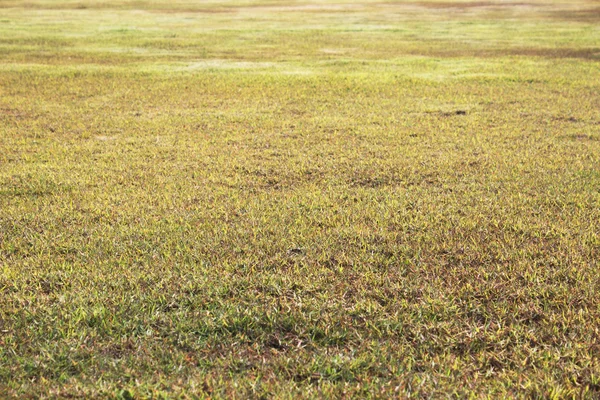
point(299, 199)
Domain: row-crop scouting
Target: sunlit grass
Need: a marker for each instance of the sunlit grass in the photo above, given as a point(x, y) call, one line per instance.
point(299, 200)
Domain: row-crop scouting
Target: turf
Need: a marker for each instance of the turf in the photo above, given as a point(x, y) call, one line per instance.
point(299, 199)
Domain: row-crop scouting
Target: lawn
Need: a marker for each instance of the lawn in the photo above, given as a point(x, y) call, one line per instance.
point(299, 199)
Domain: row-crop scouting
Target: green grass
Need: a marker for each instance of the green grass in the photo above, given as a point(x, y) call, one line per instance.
point(297, 200)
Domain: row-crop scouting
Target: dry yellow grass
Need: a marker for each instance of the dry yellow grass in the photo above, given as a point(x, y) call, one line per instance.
point(299, 199)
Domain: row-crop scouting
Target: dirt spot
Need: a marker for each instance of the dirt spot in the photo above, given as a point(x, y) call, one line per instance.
point(295, 251)
point(118, 350)
point(452, 113)
point(587, 54)
point(371, 183)
point(583, 138)
point(273, 342)
point(445, 114)
point(553, 53)
point(567, 119)
point(14, 113)
point(587, 15)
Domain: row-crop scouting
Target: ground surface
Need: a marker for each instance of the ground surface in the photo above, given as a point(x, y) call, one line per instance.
point(299, 199)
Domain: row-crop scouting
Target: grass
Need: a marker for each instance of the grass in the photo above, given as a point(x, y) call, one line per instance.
point(299, 199)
